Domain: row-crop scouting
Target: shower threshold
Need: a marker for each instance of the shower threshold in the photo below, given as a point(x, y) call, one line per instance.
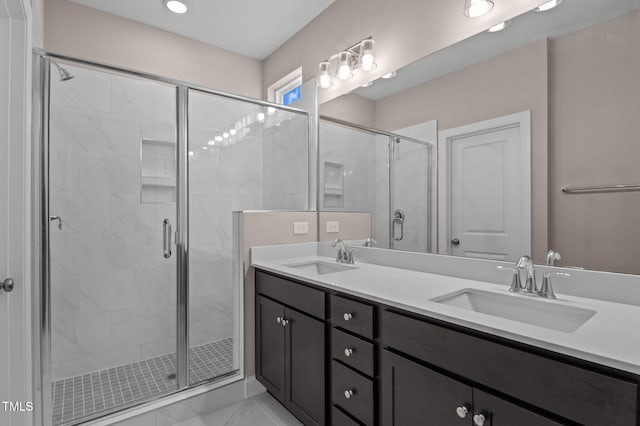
point(115, 388)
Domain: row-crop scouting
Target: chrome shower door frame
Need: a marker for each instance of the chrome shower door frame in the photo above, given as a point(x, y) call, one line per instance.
point(42, 377)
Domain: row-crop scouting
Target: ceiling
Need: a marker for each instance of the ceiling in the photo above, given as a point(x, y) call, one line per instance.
point(570, 16)
point(253, 28)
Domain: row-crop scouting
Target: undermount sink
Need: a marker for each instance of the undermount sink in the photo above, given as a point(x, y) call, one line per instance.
point(519, 308)
point(320, 267)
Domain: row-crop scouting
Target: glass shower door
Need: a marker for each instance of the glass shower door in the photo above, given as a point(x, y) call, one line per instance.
point(112, 174)
point(412, 211)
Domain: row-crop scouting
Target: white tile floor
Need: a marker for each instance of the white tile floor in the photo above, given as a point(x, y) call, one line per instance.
point(261, 410)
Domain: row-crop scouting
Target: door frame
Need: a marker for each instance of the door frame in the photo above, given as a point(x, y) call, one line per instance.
point(522, 120)
point(15, 193)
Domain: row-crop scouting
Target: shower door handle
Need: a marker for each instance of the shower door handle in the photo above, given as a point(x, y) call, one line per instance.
point(166, 238)
point(398, 219)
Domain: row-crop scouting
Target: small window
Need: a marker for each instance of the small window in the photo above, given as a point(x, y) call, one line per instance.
point(286, 90)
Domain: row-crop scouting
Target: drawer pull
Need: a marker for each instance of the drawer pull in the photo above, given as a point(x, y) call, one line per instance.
point(347, 316)
point(348, 352)
point(349, 393)
point(479, 419)
point(462, 411)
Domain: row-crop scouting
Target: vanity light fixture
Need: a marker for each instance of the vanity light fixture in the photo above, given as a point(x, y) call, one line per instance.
point(359, 56)
point(211, 142)
point(477, 8)
point(548, 5)
point(225, 135)
point(499, 27)
point(232, 132)
point(344, 66)
point(176, 6)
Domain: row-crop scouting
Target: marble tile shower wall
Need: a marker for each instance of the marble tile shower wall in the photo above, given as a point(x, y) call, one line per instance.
point(285, 163)
point(112, 292)
point(354, 150)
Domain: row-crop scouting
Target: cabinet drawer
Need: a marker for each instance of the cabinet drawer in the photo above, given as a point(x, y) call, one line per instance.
point(573, 392)
point(341, 419)
point(360, 403)
point(353, 316)
point(299, 296)
point(353, 351)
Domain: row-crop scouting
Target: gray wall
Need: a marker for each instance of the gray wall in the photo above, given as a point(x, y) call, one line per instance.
point(593, 140)
point(87, 33)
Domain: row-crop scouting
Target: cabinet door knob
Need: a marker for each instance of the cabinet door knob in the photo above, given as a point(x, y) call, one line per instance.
point(349, 393)
point(279, 320)
point(347, 316)
point(284, 322)
point(348, 352)
point(479, 419)
point(462, 411)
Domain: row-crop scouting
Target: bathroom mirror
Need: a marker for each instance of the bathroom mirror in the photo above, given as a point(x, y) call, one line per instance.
point(564, 84)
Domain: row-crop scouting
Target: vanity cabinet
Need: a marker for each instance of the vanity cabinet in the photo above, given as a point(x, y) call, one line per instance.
point(290, 348)
point(412, 391)
point(344, 360)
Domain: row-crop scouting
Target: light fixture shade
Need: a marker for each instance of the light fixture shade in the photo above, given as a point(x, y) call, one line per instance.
point(344, 66)
point(324, 79)
point(548, 5)
point(476, 8)
point(367, 59)
point(176, 6)
point(499, 27)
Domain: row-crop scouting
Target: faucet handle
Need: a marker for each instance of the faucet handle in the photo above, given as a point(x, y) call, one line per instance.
point(546, 289)
point(516, 285)
point(336, 243)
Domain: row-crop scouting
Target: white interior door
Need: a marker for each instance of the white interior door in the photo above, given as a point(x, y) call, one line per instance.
point(485, 189)
point(15, 77)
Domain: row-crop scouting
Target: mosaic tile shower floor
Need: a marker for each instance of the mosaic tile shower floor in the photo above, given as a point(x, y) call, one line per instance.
point(77, 397)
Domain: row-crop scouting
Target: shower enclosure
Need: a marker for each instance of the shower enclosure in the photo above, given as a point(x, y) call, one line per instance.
point(139, 178)
point(388, 175)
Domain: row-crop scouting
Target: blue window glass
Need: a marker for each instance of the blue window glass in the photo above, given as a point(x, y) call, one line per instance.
point(291, 96)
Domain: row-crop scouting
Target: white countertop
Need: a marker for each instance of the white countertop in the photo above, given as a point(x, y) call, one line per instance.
point(610, 337)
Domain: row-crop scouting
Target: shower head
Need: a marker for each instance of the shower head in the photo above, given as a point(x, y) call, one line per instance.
point(64, 74)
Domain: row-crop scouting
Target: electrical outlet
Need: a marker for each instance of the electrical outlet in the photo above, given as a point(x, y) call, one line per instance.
point(300, 228)
point(333, 227)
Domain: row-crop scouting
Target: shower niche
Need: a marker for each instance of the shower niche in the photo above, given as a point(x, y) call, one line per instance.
point(158, 171)
point(333, 184)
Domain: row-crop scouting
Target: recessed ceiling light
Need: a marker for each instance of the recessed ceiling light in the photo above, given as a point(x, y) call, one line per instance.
point(176, 6)
point(499, 27)
point(476, 8)
point(367, 84)
point(390, 75)
point(548, 5)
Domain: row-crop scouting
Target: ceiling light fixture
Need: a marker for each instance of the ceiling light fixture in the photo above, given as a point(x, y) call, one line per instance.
point(358, 56)
point(176, 6)
point(499, 27)
point(390, 75)
point(477, 8)
point(548, 5)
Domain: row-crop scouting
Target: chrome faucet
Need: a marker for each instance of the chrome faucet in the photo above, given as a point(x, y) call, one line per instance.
point(526, 263)
point(552, 257)
point(345, 252)
point(530, 286)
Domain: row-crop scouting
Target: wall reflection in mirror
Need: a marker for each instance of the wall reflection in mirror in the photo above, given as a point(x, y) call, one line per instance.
point(506, 119)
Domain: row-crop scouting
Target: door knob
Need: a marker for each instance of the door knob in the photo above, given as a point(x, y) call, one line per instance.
point(455, 242)
point(7, 285)
point(347, 316)
point(348, 352)
point(349, 393)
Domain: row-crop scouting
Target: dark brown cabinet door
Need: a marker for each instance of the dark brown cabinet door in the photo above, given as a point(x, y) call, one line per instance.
point(305, 371)
point(413, 394)
point(498, 412)
point(270, 346)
